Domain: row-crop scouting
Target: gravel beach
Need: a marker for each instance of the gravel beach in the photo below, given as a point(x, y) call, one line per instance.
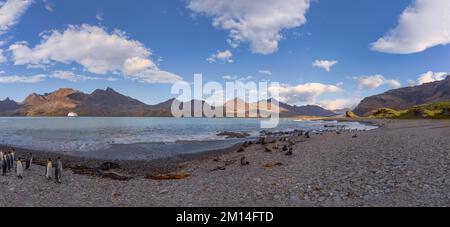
point(403, 163)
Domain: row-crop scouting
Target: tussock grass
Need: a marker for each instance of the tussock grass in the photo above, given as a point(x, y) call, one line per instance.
point(439, 110)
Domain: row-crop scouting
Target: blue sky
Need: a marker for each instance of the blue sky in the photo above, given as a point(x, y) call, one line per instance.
point(375, 45)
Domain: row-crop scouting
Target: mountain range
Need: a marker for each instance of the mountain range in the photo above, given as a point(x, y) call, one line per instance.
point(405, 98)
point(111, 103)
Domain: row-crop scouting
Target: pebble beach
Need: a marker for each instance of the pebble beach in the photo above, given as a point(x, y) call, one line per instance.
point(402, 163)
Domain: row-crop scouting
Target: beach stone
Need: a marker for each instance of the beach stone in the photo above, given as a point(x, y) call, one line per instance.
point(108, 166)
point(261, 141)
point(244, 162)
point(168, 176)
point(233, 135)
point(164, 191)
point(290, 152)
point(116, 176)
point(218, 168)
point(271, 165)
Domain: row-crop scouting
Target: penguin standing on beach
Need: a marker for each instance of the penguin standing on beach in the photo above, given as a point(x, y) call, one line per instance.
point(1, 159)
point(48, 170)
point(58, 171)
point(29, 162)
point(4, 166)
point(11, 161)
point(13, 158)
point(8, 161)
point(19, 169)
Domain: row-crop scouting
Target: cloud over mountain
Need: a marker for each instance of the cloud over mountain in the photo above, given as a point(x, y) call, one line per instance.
point(303, 93)
point(374, 82)
point(21, 79)
point(429, 77)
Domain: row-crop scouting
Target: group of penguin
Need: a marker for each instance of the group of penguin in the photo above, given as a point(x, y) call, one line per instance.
point(8, 162)
point(288, 148)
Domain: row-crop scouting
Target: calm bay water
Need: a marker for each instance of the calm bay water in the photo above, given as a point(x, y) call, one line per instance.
point(137, 138)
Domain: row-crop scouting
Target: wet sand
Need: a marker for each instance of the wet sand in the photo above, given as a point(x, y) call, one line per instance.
point(403, 163)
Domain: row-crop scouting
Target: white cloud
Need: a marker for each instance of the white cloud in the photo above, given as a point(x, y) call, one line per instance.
point(21, 79)
point(374, 82)
point(423, 25)
point(337, 104)
point(229, 77)
point(72, 77)
point(325, 64)
point(221, 56)
point(155, 76)
point(99, 15)
point(429, 77)
point(96, 50)
point(2, 57)
point(303, 93)
point(112, 79)
point(236, 78)
point(11, 11)
point(48, 5)
point(369, 82)
point(136, 65)
point(265, 72)
point(259, 23)
point(245, 79)
point(393, 83)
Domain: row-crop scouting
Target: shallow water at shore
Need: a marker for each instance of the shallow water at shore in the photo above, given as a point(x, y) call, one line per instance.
point(140, 138)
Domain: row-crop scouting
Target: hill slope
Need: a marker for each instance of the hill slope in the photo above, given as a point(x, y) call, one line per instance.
point(405, 98)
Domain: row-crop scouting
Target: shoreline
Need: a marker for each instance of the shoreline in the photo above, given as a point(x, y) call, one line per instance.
point(139, 168)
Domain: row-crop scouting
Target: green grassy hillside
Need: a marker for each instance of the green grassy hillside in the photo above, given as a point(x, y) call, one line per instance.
point(440, 110)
